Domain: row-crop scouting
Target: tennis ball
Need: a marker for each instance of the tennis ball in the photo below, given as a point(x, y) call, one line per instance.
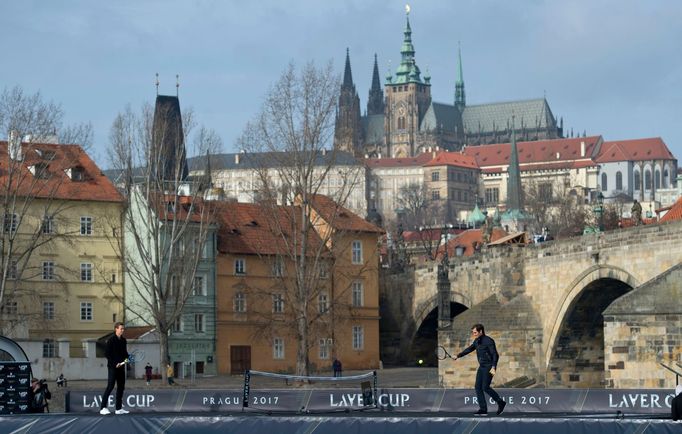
point(420, 361)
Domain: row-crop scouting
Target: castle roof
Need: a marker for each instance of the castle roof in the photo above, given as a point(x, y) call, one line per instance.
point(540, 154)
point(373, 126)
point(531, 113)
point(441, 117)
point(653, 148)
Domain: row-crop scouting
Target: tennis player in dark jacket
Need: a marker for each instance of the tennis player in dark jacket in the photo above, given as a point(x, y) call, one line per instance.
point(487, 365)
point(116, 352)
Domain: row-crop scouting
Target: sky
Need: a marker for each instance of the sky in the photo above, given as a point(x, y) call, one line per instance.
point(608, 67)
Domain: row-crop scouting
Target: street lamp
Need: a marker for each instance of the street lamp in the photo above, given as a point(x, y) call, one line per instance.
point(600, 207)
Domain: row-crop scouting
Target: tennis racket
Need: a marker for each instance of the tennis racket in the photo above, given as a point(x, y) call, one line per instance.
point(136, 356)
point(442, 353)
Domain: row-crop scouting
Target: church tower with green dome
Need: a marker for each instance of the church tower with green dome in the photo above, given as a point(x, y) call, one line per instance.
point(408, 96)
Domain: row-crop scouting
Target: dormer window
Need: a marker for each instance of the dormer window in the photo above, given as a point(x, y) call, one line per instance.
point(76, 173)
point(40, 170)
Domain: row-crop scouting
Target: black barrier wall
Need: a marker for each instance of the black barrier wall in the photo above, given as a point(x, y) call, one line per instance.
point(15, 380)
point(578, 401)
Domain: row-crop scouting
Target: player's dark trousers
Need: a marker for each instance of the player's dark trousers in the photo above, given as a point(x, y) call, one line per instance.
point(116, 376)
point(483, 379)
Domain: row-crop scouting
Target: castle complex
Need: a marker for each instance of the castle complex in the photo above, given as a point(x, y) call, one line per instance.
point(402, 120)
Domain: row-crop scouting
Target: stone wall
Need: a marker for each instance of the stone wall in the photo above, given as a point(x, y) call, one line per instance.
point(642, 329)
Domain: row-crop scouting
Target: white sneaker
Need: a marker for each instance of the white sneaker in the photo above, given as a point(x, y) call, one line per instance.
point(104, 411)
point(121, 411)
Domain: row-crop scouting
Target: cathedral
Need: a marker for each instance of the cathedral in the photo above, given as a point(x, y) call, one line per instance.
point(402, 120)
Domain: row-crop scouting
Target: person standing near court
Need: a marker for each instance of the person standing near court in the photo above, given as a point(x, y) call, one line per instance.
point(116, 352)
point(148, 373)
point(487, 366)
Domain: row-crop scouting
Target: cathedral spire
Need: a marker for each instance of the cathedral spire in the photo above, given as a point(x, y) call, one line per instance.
point(514, 200)
point(347, 74)
point(460, 97)
point(375, 102)
point(408, 71)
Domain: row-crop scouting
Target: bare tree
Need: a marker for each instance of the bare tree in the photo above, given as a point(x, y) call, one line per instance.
point(32, 175)
point(289, 143)
point(166, 219)
point(554, 205)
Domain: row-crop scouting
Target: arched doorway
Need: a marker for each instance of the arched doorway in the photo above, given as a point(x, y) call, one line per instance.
point(425, 339)
point(577, 359)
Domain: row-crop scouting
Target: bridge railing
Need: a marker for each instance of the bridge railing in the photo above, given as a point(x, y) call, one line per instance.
point(677, 374)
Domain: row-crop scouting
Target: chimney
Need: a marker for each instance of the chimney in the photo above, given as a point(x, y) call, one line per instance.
point(582, 149)
point(14, 145)
point(558, 155)
point(236, 158)
point(379, 155)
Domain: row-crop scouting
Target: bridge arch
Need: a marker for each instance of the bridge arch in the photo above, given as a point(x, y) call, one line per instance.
point(594, 288)
point(424, 338)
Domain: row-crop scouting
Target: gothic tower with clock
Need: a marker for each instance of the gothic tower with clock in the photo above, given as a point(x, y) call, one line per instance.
point(408, 97)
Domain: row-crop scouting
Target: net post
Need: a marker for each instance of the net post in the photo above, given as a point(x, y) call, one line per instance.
point(247, 386)
point(376, 395)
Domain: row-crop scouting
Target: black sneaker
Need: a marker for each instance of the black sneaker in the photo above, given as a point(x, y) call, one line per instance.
point(500, 407)
point(481, 413)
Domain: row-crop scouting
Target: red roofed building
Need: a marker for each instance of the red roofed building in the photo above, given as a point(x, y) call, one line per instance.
point(257, 291)
point(449, 179)
point(62, 232)
point(553, 167)
point(642, 169)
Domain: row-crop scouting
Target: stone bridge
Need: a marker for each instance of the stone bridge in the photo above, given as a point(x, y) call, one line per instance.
point(601, 310)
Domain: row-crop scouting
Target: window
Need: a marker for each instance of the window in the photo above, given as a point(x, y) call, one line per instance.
point(40, 170)
point(12, 270)
point(325, 346)
point(358, 337)
point(657, 178)
point(10, 308)
point(492, 195)
point(86, 311)
point(647, 179)
point(86, 225)
point(666, 178)
point(435, 175)
point(239, 266)
point(604, 182)
point(48, 224)
point(179, 325)
point(324, 271)
point(49, 348)
point(435, 194)
point(322, 302)
point(545, 191)
point(11, 223)
point(278, 267)
point(86, 272)
point(48, 270)
point(619, 181)
point(198, 287)
point(240, 302)
point(277, 303)
point(48, 310)
point(356, 252)
point(638, 181)
point(358, 294)
point(278, 348)
point(199, 325)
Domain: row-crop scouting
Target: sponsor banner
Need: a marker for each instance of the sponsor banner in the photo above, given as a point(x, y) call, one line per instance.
point(586, 401)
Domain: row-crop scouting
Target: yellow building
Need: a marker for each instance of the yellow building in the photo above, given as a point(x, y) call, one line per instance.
point(61, 238)
point(256, 289)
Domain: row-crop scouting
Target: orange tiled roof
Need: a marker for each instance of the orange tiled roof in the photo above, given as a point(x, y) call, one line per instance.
point(56, 160)
point(246, 228)
point(418, 160)
point(467, 238)
point(341, 218)
point(444, 158)
point(675, 212)
point(653, 148)
point(541, 151)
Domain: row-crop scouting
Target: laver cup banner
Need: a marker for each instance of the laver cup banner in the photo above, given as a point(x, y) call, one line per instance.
point(631, 401)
